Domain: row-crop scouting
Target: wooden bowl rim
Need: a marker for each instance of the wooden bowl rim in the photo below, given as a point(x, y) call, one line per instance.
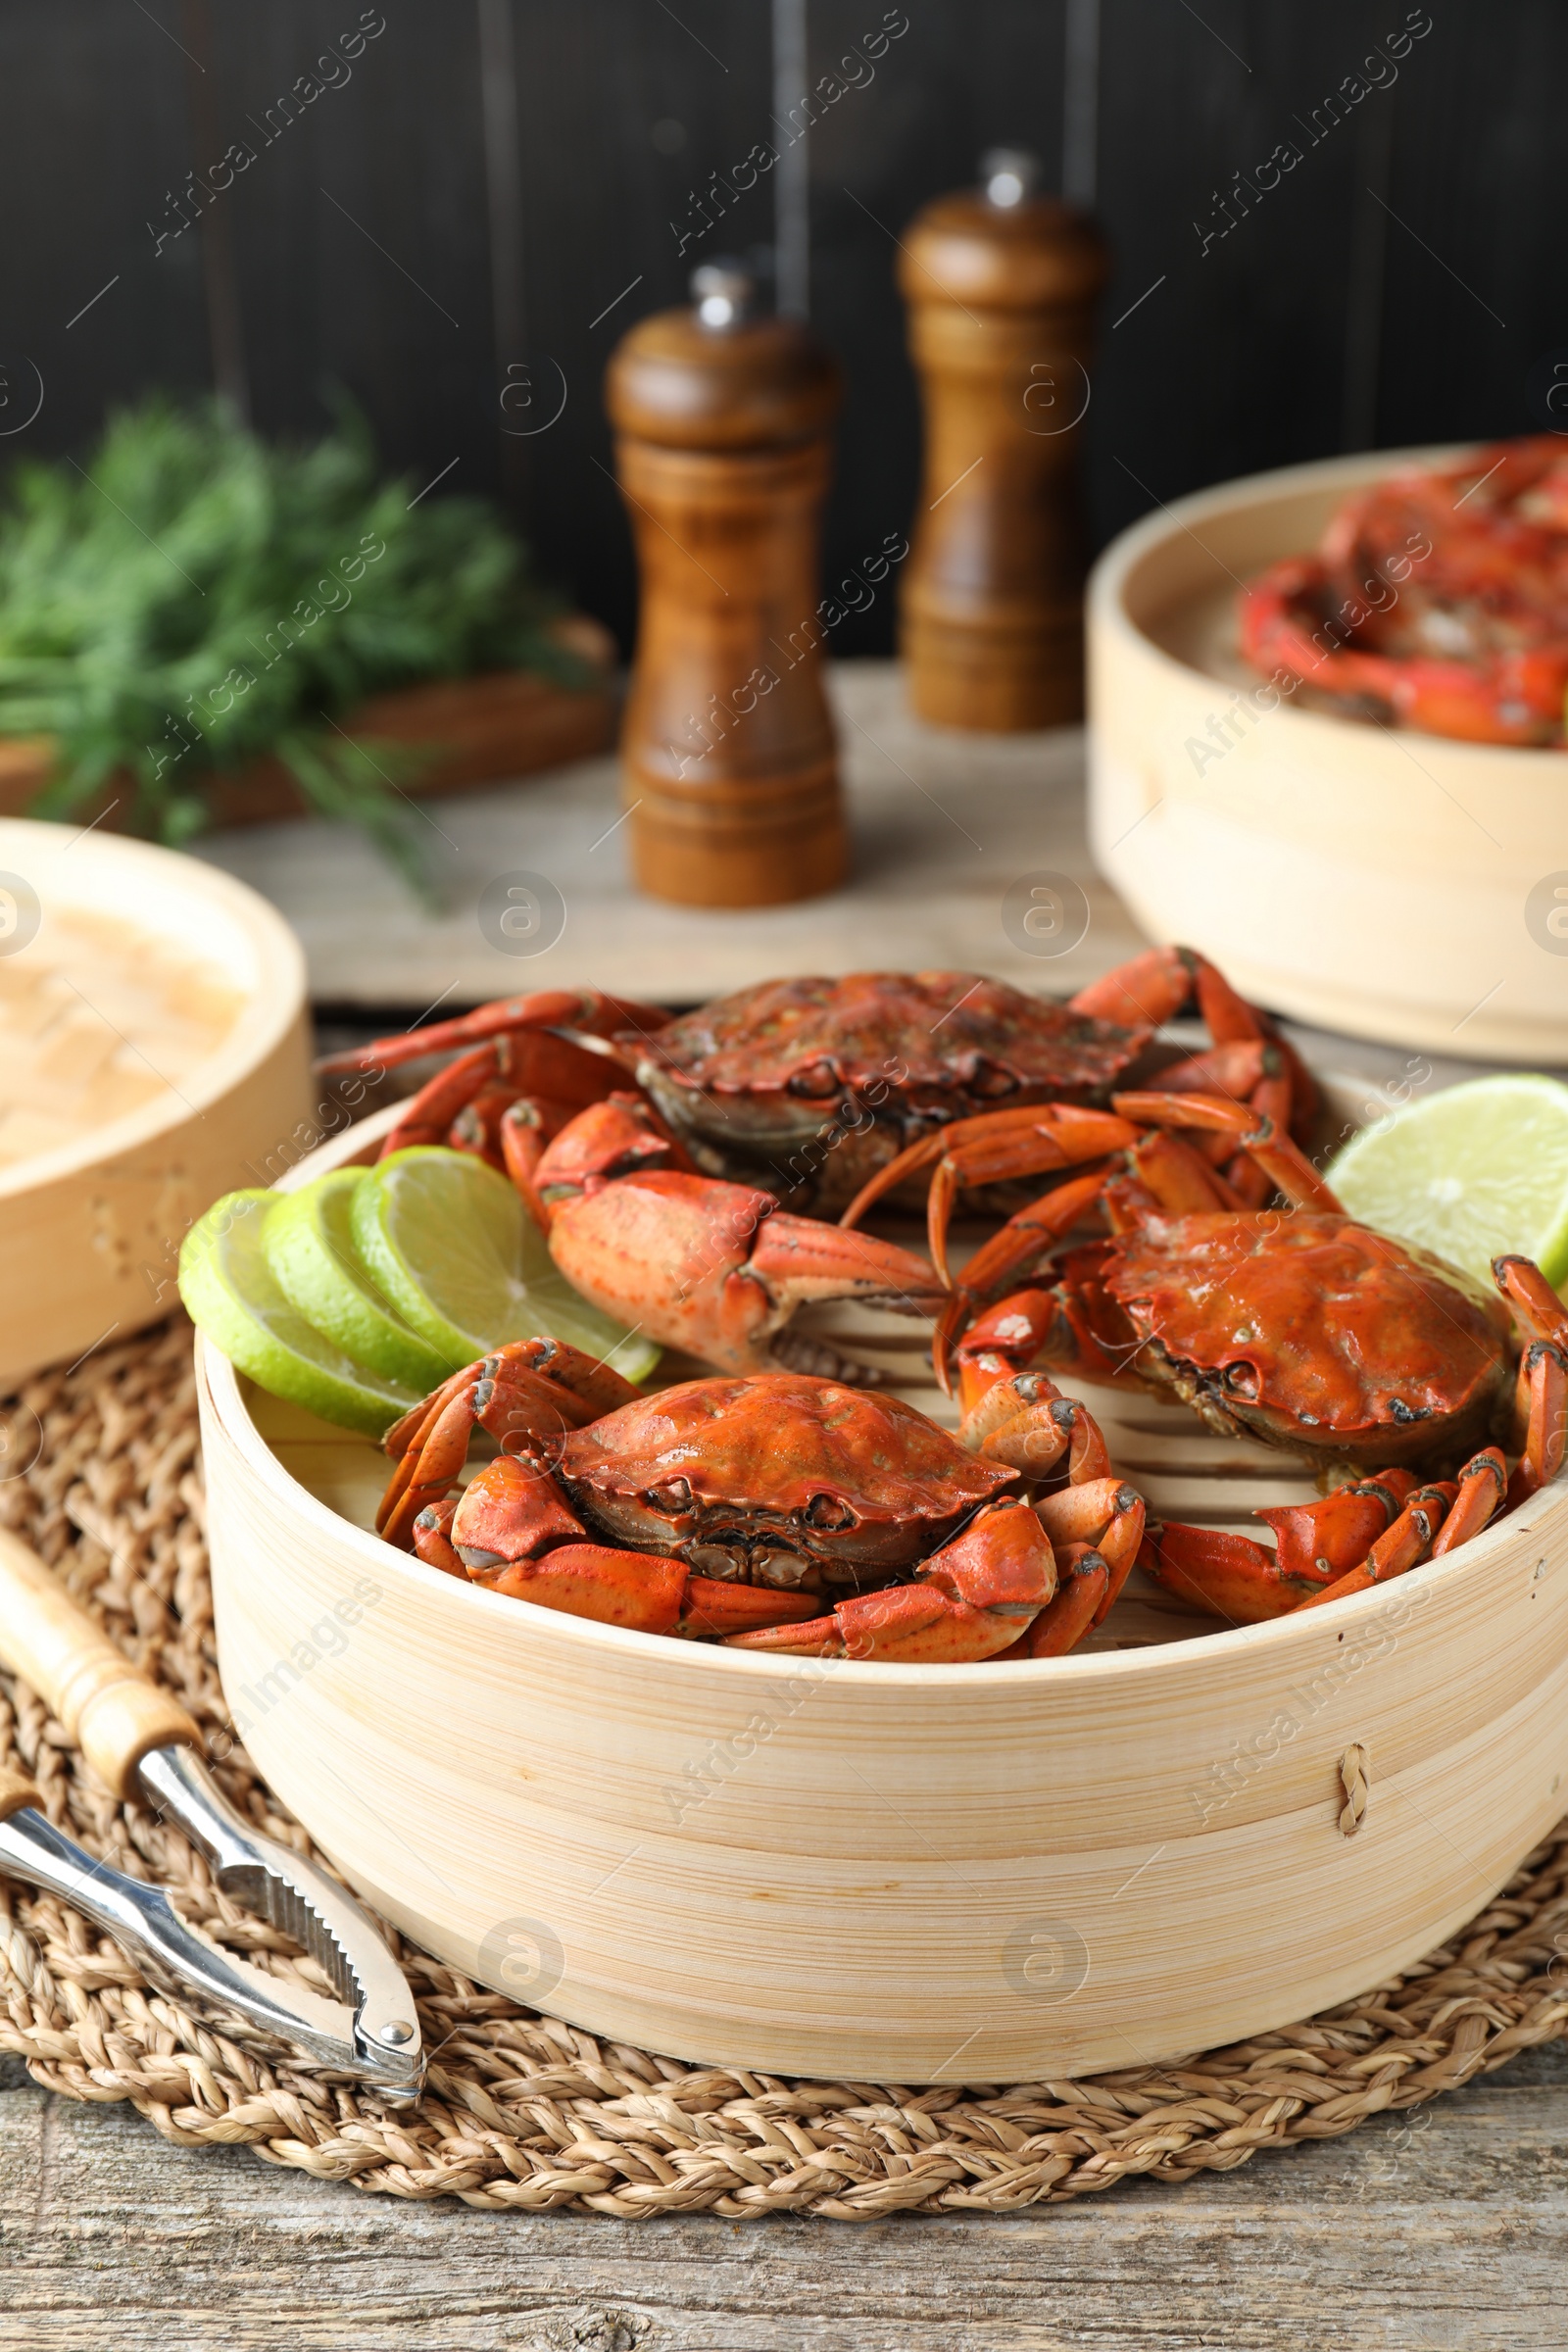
point(217, 1376)
point(268, 1010)
point(1115, 572)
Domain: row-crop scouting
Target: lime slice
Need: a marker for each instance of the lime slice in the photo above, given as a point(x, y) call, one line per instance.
point(228, 1290)
point(1470, 1172)
point(450, 1245)
point(309, 1242)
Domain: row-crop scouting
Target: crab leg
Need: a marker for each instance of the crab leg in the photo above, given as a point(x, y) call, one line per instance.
point(1024, 1239)
point(1105, 1512)
point(427, 1468)
point(970, 1601)
point(1165, 1174)
point(426, 1118)
point(1084, 1596)
point(1541, 1400)
point(1404, 1548)
point(1541, 1403)
point(643, 1589)
point(1282, 1160)
point(524, 1132)
point(1028, 1141)
point(462, 1103)
point(587, 1011)
point(1232, 1068)
point(1156, 986)
point(432, 1539)
point(1003, 1341)
point(1483, 1486)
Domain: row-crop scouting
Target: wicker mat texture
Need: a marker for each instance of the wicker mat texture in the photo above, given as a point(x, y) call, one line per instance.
point(524, 2112)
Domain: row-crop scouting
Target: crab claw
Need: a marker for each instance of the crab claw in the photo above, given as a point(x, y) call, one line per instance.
point(513, 1531)
point(1407, 1543)
point(1229, 1576)
point(644, 1590)
point(1143, 992)
point(717, 1269)
point(1028, 1423)
point(970, 1601)
point(1358, 1536)
point(1081, 1602)
point(529, 1390)
point(620, 1135)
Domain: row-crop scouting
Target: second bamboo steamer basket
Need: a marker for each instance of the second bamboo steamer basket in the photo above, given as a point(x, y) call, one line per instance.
point(916, 1874)
point(1372, 880)
point(90, 1230)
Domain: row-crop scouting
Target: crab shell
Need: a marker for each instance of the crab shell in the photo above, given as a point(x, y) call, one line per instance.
point(827, 1079)
point(778, 1479)
point(1310, 1331)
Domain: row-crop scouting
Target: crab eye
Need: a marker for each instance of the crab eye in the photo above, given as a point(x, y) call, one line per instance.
point(676, 1496)
point(828, 1512)
point(1242, 1378)
point(818, 1079)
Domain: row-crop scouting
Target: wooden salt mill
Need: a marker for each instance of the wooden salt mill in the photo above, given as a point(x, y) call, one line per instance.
point(728, 756)
point(1000, 286)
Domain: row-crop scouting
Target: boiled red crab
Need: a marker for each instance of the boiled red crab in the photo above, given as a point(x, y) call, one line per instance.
point(803, 1087)
point(770, 1512)
point(1299, 1327)
point(1438, 599)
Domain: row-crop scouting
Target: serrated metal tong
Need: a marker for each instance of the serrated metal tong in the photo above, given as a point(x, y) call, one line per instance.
point(141, 1743)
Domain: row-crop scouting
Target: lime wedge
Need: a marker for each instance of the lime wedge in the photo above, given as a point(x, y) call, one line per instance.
point(450, 1245)
point(1470, 1172)
point(308, 1243)
point(230, 1291)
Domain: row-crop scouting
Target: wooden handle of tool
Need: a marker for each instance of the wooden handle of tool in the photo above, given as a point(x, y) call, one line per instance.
point(114, 1714)
point(15, 1791)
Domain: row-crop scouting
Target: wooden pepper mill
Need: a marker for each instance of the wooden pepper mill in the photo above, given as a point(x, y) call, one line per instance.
point(728, 756)
point(1000, 286)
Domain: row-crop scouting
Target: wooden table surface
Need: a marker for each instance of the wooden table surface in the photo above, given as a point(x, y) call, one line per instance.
point(942, 825)
point(1445, 2229)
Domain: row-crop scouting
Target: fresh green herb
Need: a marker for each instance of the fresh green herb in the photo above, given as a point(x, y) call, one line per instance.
point(193, 596)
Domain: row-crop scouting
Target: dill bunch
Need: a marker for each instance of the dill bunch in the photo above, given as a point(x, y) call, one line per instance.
point(193, 596)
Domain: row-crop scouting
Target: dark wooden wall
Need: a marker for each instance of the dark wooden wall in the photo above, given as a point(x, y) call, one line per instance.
point(1397, 285)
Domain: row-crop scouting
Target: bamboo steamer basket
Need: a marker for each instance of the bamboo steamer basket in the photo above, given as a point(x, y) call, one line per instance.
point(1371, 880)
point(882, 1872)
point(90, 1232)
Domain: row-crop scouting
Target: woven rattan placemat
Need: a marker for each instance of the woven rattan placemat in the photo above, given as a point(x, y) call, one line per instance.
point(526, 2112)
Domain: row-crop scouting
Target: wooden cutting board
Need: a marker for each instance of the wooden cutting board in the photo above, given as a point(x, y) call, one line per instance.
point(486, 729)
